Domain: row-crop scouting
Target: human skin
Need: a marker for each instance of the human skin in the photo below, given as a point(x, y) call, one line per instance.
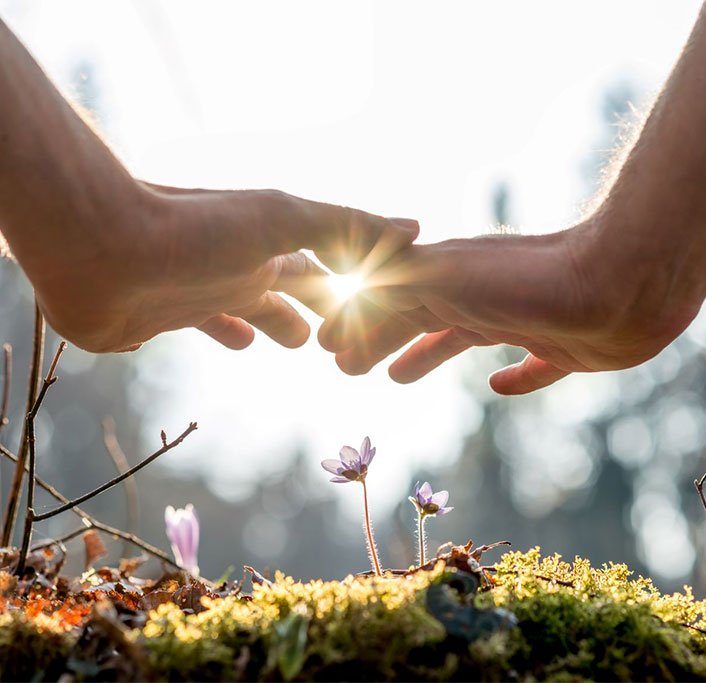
point(115, 261)
point(608, 293)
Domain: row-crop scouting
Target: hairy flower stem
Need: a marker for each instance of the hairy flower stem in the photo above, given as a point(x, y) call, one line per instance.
point(421, 518)
point(372, 549)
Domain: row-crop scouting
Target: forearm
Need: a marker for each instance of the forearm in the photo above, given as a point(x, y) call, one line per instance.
point(60, 186)
point(653, 221)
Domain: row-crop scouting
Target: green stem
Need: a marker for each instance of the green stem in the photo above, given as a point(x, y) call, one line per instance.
point(372, 550)
point(421, 518)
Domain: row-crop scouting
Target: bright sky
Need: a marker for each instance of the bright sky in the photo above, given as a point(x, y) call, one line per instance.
point(401, 108)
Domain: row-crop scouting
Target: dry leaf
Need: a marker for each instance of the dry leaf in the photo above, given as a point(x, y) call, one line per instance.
point(94, 546)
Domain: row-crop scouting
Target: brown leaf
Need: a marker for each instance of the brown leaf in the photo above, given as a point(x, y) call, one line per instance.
point(8, 584)
point(105, 651)
point(478, 552)
point(129, 565)
point(94, 547)
point(189, 597)
point(156, 598)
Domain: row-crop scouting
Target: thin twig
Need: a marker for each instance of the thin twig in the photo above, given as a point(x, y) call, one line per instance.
point(31, 477)
point(62, 539)
point(699, 484)
point(551, 579)
point(117, 455)
point(91, 522)
point(116, 480)
point(693, 628)
point(35, 376)
point(136, 541)
point(7, 383)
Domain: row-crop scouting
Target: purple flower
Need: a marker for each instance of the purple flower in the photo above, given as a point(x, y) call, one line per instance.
point(428, 503)
point(352, 466)
point(182, 528)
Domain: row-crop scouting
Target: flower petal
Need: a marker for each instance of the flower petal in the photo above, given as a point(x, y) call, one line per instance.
point(169, 513)
point(425, 492)
point(332, 466)
point(349, 455)
point(367, 453)
point(192, 550)
point(440, 498)
point(340, 480)
point(443, 511)
point(414, 502)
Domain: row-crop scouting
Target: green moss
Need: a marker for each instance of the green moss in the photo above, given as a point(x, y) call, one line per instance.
point(575, 622)
point(364, 625)
point(542, 619)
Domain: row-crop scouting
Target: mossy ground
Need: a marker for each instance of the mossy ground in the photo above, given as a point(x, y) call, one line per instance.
point(573, 622)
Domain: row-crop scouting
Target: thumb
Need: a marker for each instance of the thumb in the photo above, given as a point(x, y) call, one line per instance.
point(530, 374)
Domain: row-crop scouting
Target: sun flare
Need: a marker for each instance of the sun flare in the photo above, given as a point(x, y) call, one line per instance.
point(345, 286)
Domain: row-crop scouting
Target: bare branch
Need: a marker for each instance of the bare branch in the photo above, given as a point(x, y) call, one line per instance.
point(35, 376)
point(699, 484)
point(31, 480)
point(8, 454)
point(136, 541)
point(117, 455)
point(62, 539)
point(109, 484)
point(94, 523)
point(7, 383)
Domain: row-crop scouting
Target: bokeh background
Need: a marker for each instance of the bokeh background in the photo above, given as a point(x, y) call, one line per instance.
point(464, 115)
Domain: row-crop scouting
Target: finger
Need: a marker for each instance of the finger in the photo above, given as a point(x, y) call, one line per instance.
point(347, 325)
point(369, 257)
point(387, 338)
point(433, 350)
point(301, 278)
point(344, 236)
point(377, 346)
point(277, 319)
point(230, 331)
point(530, 374)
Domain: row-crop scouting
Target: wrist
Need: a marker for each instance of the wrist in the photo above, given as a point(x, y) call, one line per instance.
point(652, 283)
point(107, 250)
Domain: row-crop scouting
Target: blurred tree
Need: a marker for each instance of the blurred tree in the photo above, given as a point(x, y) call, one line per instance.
point(501, 204)
point(85, 90)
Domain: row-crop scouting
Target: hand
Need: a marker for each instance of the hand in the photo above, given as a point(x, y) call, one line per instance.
point(114, 261)
point(573, 299)
point(207, 259)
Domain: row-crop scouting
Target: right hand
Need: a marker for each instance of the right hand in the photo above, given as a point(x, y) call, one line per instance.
point(572, 303)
